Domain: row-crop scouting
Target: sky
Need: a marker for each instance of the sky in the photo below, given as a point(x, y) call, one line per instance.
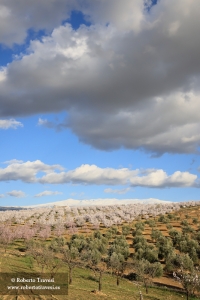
point(99, 100)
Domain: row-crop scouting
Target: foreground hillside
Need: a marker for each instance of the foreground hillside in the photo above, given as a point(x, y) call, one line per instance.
point(131, 250)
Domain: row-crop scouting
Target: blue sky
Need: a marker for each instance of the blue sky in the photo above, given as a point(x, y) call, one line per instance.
point(99, 100)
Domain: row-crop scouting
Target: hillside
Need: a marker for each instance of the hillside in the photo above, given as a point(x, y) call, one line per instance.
point(150, 232)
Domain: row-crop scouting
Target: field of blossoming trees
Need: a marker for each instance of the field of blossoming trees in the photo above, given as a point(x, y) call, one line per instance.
point(135, 251)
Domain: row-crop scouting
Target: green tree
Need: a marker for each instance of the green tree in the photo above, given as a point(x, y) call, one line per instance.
point(54, 263)
point(176, 237)
point(151, 223)
point(71, 258)
point(165, 247)
point(126, 230)
point(57, 244)
point(95, 256)
point(146, 271)
point(121, 246)
point(117, 263)
point(118, 254)
point(176, 261)
point(195, 221)
point(71, 252)
point(40, 253)
point(156, 234)
point(139, 226)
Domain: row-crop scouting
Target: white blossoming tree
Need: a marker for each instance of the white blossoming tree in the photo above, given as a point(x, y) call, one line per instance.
point(190, 281)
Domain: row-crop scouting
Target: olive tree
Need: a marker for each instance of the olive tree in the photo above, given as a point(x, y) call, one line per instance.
point(71, 252)
point(95, 255)
point(118, 255)
point(146, 271)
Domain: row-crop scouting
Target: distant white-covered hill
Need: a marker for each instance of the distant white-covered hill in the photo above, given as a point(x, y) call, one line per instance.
point(100, 201)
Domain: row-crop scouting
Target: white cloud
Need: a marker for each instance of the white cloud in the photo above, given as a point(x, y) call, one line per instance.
point(7, 124)
point(91, 174)
point(48, 193)
point(42, 121)
point(124, 15)
point(30, 172)
point(17, 17)
point(82, 194)
point(17, 194)
point(128, 69)
point(112, 191)
point(2, 72)
point(13, 161)
point(25, 171)
point(48, 124)
point(45, 123)
point(160, 179)
point(2, 195)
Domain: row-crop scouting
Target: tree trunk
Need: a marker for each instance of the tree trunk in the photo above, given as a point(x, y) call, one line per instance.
point(117, 279)
point(187, 295)
point(100, 281)
point(70, 275)
point(141, 297)
point(146, 287)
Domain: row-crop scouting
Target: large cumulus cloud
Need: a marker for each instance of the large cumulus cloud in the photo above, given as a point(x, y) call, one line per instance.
point(17, 17)
point(129, 80)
